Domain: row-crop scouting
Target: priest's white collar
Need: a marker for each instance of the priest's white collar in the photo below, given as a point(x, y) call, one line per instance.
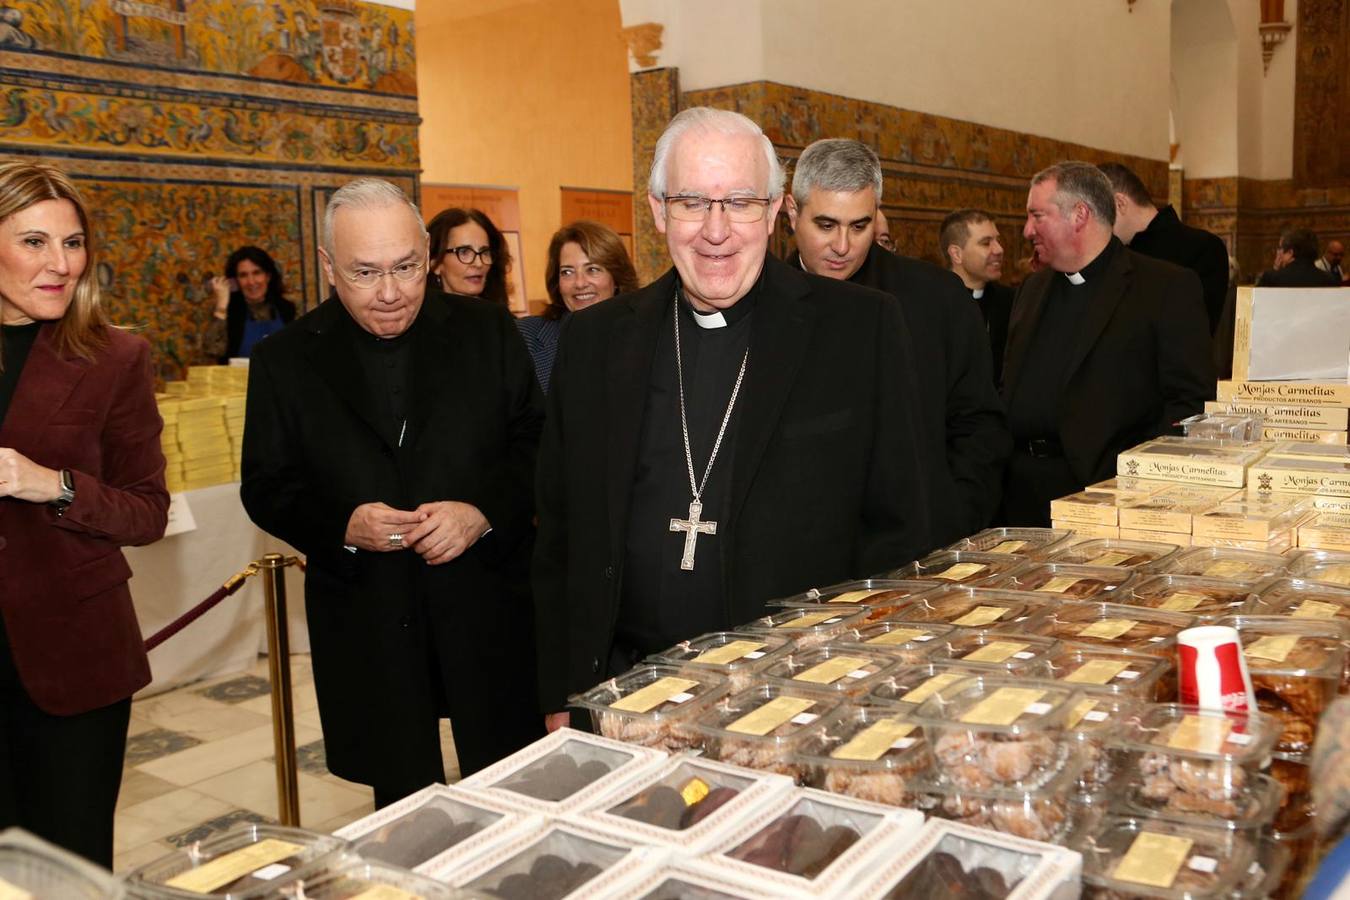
point(977, 293)
point(714, 319)
point(1075, 278)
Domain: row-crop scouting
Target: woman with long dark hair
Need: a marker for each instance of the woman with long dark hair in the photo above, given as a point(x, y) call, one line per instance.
point(81, 476)
point(468, 255)
point(249, 303)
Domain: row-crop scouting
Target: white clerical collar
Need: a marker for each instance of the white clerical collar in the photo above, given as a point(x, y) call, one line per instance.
point(977, 293)
point(1075, 278)
point(714, 319)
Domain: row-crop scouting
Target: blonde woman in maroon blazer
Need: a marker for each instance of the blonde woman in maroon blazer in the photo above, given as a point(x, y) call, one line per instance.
point(81, 476)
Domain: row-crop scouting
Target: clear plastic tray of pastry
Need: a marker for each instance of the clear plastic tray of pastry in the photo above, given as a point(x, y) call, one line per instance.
point(247, 861)
point(1300, 599)
point(970, 607)
point(1062, 581)
point(808, 625)
point(688, 803)
point(991, 731)
point(1296, 824)
point(31, 867)
point(829, 668)
point(909, 642)
point(559, 861)
point(1030, 543)
point(1266, 872)
point(910, 686)
point(1208, 755)
point(877, 594)
point(1114, 625)
point(1039, 812)
point(1145, 794)
point(811, 840)
point(1222, 427)
point(949, 860)
point(1325, 566)
point(1129, 856)
point(652, 705)
point(730, 654)
point(425, 827)
point(1193, 595)
point(1241, 566)
point(762, 727)
point(350, 877)
point(1106, 670)
point(1095, 723)
point(556, 770)
point(1297, 667)
point(1115, 553)
point(997, 653)
point(872, 753)
point(960, 567)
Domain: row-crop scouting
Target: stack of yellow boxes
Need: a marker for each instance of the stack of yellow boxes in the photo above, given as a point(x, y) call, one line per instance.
point(203, 426)
point(1306, 411)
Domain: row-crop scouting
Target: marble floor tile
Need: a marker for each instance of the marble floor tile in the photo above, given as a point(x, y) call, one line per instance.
point(139, 856)
point(309, 717)
point(161, 816)
point(218, 757)
point(155, 743)
point(254, 787)
point(138, 787)
point(137, 724)
point(236, 690)
point(205, 719)
point(215, 825)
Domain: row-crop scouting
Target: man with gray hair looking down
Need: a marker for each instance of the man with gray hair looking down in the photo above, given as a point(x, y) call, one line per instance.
point(392, 441)
point(1106, 347)
point(836, 195)
point(737, 431)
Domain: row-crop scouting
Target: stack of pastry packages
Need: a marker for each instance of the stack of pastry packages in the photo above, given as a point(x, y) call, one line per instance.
point(203, 426)
point(1024, 681)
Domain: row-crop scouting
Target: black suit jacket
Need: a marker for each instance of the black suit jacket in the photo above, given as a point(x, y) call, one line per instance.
point(1205, 254)
point(318, 442)
point(1298, 273)
point(1140, 364)
point(963, 433)
point(825, 480)
point(996, 307)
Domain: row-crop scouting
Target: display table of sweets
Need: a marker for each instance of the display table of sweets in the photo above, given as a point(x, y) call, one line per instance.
point(1024, 681)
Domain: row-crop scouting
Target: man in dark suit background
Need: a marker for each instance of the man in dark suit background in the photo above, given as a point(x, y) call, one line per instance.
point(737, 431)
point(1159, 233)
point(1106, 347)
point(969, 242)
point(393, 442)
point(836, 193)
point(1296, 263)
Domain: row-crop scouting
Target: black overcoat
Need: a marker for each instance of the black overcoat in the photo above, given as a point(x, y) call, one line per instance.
point(318, 443)
point(825, 481)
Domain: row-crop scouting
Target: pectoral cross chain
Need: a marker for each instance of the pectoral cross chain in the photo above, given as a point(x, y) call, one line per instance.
point(692, 528)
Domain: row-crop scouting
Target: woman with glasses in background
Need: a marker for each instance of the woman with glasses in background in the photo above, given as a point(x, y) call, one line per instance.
point(469, 255)
point(587, 263)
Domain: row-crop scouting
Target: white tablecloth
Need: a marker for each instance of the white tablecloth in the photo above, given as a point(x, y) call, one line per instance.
point(176, 573)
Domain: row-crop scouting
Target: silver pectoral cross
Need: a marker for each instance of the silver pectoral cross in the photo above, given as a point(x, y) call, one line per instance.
point(692, 528)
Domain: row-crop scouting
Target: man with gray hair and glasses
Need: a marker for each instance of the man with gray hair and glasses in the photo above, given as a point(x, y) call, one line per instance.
point(1106, 347)
point(735, 432)
point(836, 196)
point(393, 441)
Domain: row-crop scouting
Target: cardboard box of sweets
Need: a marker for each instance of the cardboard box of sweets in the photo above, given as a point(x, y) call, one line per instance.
point(1087, 530)
point(1218, 463)
point(1302, 393)
point(1288, 415)
point(1325, 531)
point(1252, 517)
point(1091, 507)
point(1300, 476)
point(949, 859)
point(1172, 509)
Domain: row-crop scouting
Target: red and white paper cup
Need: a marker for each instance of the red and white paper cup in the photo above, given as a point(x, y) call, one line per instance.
point(1213, 673)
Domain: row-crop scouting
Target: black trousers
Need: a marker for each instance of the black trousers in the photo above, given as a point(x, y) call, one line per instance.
point(60, 775)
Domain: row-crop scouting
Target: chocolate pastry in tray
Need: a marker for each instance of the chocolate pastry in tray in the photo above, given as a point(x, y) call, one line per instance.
point(798, 845)
point(941, 876)
point(668, 807)
point(550, 878)
point(556, 778)
point(416, 837)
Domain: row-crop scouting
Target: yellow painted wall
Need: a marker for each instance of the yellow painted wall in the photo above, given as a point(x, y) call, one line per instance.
point(530, 94)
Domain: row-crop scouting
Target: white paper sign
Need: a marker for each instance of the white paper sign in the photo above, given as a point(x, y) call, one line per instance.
point(180, 516)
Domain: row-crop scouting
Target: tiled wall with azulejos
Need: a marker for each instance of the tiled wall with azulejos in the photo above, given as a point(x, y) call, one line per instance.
point(198, 127)
point(931, 164)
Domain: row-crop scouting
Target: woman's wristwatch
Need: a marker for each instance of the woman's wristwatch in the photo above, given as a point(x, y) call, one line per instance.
point(67, 495)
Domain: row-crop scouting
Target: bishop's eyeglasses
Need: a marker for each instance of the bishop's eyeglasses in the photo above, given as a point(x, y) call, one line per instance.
point(689, 208)
point(367, 278)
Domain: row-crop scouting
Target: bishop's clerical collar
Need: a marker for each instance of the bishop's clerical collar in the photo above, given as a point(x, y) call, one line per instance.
point(723, 317)
point(977, 293)
point(1097, 266)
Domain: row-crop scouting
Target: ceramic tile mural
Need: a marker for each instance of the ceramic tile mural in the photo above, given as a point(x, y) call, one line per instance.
point(198, 126)
point(931, 164)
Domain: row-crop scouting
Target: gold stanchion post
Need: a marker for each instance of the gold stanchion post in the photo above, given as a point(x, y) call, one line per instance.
point(273, 569)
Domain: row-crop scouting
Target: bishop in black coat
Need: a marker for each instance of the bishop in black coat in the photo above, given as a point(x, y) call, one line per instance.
point(962, 430)
point(822, 475)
